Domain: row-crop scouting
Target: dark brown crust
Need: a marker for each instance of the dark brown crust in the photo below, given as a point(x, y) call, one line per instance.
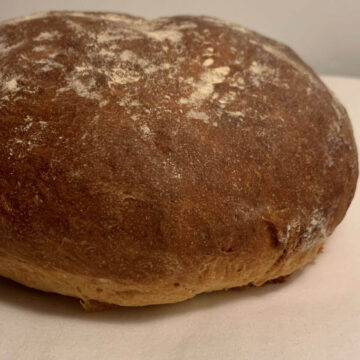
point(118, 161)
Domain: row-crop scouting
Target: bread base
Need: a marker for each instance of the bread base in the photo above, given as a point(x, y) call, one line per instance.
point(99, 293)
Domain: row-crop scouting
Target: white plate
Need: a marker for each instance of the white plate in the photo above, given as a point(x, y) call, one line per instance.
point(314, 315)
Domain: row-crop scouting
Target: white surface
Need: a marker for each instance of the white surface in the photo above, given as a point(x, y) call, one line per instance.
point(326, 33)
point(314, 315)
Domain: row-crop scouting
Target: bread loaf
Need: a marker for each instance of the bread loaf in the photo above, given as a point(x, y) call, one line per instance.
point(147, 161)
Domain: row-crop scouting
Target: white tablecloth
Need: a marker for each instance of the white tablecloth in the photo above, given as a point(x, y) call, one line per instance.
point(314, 315)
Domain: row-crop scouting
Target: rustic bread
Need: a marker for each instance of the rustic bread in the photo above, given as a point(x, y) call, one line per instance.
point(146, 161)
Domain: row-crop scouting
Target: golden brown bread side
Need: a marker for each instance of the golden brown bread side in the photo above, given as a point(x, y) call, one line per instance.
point(146, 161)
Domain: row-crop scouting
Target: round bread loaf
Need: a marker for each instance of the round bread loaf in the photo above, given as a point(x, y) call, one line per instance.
point(147, 161)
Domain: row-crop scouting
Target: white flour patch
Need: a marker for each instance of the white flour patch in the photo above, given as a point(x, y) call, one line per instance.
point(165, 66)
point(81, 89)
point(103, 103)
point(47, 64)
point(184, 26)
point(135, 103)
point(109, 17)
point(128, 55)
point(311, 235)
point(199, 115)
point(227, 98)
point(120, 76)
point(39, 48)
point(78, 28)
point(145, 65)
point(47, 35)
point(5, 48)
point(138, 28)
point(83, 68)
point(161, 35)
point(145, 130)
point(105, 52)
point(120, 18)
point(259, 69)
point(315, 231)
point(176, 175)
point(261, 72)
point(237, 81)
point(292, 229)
point(153, 68)
point(43, 124)
point(205, 86)
point(11, 85)
point(208, 52)
point(236, 113)
point(170, 167)
point(107, 36)
point(208, 62)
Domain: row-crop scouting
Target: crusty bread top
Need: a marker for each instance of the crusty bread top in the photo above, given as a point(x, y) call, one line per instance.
point(130, 147)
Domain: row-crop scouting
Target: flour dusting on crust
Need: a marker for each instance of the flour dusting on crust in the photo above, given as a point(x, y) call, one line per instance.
point(176, 103)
